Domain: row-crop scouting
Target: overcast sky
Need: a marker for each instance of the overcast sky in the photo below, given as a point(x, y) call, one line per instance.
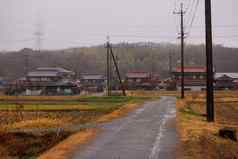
point(73, 23)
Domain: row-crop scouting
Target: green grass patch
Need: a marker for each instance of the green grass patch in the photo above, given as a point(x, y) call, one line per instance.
point(189, 111)
point(84, 103)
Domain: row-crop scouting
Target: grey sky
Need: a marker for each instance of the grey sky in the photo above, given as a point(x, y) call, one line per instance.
point(69, 23)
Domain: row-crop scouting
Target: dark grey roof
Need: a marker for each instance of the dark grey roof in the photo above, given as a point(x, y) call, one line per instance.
point(228, 74)
point(43, 74)
point(49, 72)
point(92, 77)
point(53, 69)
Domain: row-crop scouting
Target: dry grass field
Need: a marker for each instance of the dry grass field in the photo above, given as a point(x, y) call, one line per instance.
point(198, 138)
point(18, 116)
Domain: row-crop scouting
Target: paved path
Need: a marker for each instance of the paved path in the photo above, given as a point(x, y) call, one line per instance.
point(147, 133)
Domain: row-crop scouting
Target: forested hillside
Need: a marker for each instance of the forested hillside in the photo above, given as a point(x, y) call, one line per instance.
point(131, 57)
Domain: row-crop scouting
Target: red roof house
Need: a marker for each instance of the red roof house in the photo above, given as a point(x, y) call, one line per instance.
point(194, 77)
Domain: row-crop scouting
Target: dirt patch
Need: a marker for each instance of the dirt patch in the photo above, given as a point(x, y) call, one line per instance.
point(198, 138)
point(64, 149)
point(23, 145)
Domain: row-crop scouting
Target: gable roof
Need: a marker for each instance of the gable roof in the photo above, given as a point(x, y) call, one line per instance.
point(231, 75)
point(42, 74)
point(92, 77)
point(49, 72)
point(53, 69)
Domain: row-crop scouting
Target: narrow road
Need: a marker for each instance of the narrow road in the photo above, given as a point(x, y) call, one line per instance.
point(147, 133)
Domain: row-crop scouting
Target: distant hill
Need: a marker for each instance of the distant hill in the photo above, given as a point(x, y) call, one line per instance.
point(143, 56)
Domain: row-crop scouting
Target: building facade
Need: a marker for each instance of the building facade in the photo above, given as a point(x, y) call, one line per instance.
point(142, 80)
point(92, 82)
point(46, 81)
point(194, 78)
point(226, 81)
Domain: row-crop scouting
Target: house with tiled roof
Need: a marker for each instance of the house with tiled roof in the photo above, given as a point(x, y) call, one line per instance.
point(228, 80)
point(141, 80)
point(49, 74)
point(90, 81)
point(194, 77)
point(45, 81)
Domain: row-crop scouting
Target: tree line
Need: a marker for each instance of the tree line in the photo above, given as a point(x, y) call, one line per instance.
point(144, 56)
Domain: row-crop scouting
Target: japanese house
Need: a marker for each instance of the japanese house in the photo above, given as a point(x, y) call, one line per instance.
point(141, 80)
point(46, 81)
point(92, 82)
point(194, 78)
point(226, 81)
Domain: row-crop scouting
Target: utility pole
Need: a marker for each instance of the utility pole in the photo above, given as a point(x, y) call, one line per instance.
point(108, 68)
point(26, 63)
point(111, 57)
point(181, 13)
point(209, 59)
point(118, 72)
point(170, 63)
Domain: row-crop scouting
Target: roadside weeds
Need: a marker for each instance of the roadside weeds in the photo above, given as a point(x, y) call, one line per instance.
point(198, 138)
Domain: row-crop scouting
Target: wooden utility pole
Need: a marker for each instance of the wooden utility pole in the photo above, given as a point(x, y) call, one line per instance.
point(209, 59)
point(181, 13)
point(118, 72)
point(108, 69)
point(111, 57)
point(26, 65)
point(170, 63)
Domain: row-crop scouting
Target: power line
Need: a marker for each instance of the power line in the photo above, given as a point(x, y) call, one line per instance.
point(158, 37)
point(216, 26)
point(193, 17)
point(190, 11)
point(190, 4)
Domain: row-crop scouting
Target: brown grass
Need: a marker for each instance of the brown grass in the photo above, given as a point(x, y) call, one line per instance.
point(122, 111)
point(63, 149)
point(35, 123)
point(198, 138)
point(152, 93)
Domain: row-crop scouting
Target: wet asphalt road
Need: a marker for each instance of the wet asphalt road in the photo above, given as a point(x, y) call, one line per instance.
point(147, 133)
